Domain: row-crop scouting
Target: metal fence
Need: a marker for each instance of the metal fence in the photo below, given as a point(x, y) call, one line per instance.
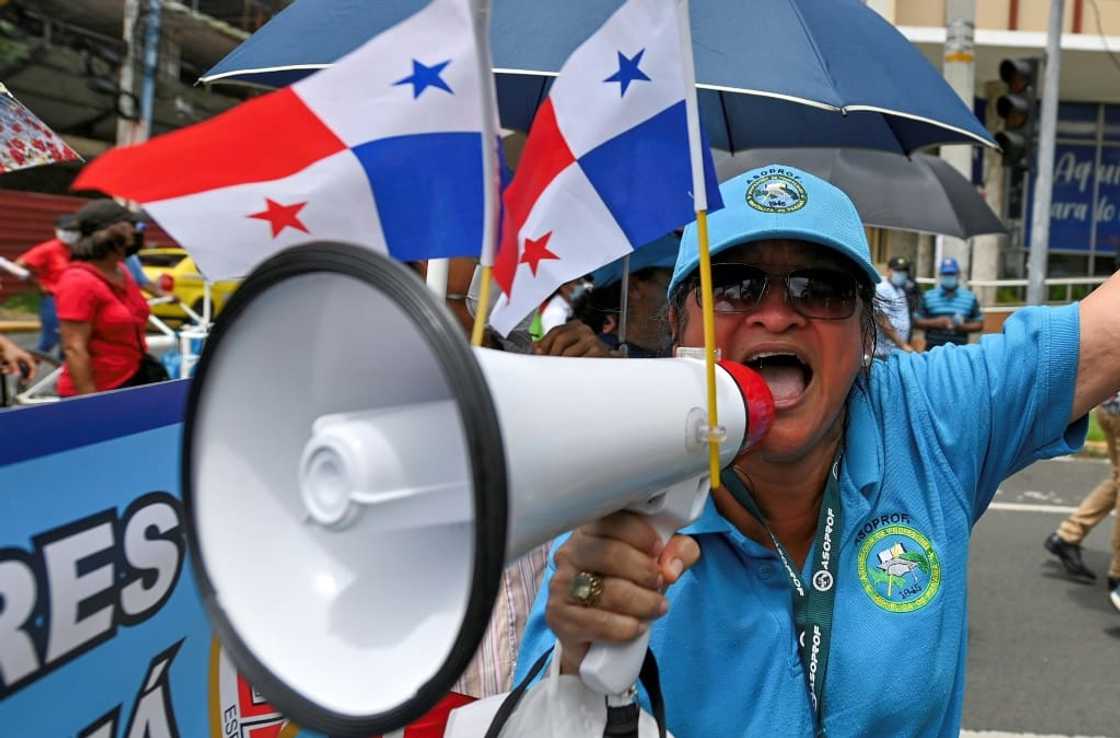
point(1008, 295)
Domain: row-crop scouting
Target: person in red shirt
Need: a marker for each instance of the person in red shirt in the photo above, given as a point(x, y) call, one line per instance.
point(102, 312)
point(46, 262)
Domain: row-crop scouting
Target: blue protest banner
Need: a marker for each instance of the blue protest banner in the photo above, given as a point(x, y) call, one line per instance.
point(102, 633)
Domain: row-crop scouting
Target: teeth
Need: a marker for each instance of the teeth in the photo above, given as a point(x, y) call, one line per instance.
point(768, 354)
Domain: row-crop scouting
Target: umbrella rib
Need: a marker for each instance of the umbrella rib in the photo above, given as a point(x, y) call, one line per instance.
point(813, 44)
point(726, 123)
point(767, 93)
point(914, 116)
point(261, 70)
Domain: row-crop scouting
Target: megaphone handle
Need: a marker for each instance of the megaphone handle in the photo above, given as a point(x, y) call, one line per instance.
point(612, 668)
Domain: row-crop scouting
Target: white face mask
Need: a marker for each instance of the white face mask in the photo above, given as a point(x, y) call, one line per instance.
point(67, 237)
point(898, 279)
point(949, 281)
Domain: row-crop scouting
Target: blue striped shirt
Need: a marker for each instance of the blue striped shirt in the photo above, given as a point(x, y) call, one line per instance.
point(938, 302)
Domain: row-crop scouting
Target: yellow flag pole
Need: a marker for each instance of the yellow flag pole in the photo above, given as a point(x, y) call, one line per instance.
point(715, 437)
point(700, 198)
point(480, 313)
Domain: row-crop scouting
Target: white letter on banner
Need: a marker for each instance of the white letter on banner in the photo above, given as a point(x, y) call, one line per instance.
point(17, 593)
point(68, 590)
point(153, 716)
point(158, 554)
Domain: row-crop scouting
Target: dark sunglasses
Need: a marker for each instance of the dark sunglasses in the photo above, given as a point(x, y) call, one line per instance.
point(820, 293)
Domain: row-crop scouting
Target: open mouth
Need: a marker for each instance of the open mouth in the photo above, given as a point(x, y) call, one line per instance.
point(787, 375)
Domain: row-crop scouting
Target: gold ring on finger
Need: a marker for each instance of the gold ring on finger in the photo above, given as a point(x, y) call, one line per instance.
point(586, 588)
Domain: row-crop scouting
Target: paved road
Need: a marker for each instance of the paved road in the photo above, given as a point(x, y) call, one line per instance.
point(1044, 652)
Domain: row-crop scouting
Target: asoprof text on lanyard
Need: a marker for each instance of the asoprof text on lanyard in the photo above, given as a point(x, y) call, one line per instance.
point(813, 602)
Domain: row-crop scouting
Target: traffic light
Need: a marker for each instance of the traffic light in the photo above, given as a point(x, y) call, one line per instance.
point(1018, 108)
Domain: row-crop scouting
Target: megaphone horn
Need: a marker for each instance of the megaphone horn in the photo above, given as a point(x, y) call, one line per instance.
point(355, 477)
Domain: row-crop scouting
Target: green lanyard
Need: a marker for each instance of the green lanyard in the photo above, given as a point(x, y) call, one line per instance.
point(812, 602)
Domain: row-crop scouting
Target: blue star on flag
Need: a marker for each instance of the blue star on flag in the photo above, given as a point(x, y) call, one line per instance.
point(628, 71)
point(423, 77)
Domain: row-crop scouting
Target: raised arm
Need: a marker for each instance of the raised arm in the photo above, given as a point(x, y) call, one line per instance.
point(1098, 366)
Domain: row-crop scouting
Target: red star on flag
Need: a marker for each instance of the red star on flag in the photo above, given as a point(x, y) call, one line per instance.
point(536, 251)
point(281, 216)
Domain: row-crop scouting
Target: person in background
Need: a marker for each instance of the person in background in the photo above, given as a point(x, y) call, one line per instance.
point(1065, 542)
point(893, 317)
point(491, 670)
point(459, 273)
point(647, 331)
point(949, 312)
point(560, 308)
point(15, 360)
point(136, 268)
point(102, 312)
point(913, 293)
point(46, 262)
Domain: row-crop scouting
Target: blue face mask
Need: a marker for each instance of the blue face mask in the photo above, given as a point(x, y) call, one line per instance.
point(949, 281)
point(898, 279)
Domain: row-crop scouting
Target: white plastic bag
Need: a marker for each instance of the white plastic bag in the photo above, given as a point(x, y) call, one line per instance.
point(559, 706)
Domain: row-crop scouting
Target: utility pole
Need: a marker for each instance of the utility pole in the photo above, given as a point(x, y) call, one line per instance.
point(151, 67)
point(1044, 177)
point(959, 69)
point(127, 129)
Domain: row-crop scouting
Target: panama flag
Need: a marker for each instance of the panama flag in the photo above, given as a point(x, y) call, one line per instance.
point(382, 149)
point(608, 166)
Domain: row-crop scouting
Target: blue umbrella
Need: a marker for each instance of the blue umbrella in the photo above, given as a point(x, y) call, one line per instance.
point(769, 74)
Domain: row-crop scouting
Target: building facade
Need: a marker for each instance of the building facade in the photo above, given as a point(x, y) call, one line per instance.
point(1085, 226)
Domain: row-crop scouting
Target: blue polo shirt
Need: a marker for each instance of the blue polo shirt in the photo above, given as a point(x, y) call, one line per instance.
point(938, 302)
point(929, 439)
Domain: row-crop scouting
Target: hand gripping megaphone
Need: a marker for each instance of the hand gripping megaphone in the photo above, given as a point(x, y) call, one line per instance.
point(356, 476)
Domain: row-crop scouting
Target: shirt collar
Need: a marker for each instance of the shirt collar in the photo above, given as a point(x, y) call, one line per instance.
point(710, 521)
point(861, 469)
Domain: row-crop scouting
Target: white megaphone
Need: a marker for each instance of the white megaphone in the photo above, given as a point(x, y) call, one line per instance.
point(356, 477)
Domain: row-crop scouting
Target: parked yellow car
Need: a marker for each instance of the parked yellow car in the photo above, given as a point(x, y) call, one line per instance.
point(174, 271)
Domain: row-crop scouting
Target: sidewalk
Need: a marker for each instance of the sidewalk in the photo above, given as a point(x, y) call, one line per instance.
point(997, 734)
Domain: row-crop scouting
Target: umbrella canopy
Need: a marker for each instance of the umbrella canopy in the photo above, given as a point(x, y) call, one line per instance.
point(921, 193)
point(769, 74)
point(25, 141)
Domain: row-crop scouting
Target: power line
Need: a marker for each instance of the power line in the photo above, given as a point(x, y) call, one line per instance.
point(1104, 39)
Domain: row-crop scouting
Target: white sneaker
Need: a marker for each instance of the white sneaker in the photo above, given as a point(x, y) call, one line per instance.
point(1114, 593)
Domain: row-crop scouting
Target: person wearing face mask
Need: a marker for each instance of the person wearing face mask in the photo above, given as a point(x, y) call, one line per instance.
point(893, 318)
point(45, 263)
point(102, 313)
point(949, 312)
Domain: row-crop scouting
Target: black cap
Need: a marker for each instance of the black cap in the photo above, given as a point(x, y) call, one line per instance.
point(899, 264)
point(98, 214)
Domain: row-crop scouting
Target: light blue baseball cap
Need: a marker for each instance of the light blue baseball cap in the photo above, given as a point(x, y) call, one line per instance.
point(779, 201)
point(661, 253)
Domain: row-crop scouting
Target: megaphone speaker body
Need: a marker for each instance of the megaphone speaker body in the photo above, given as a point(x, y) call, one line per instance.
point(355, 477)
point(583, 438)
